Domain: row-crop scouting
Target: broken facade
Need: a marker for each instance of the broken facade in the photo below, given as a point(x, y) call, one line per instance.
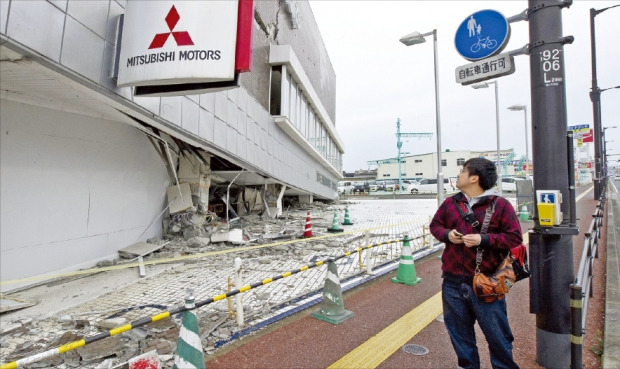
point(93, 167)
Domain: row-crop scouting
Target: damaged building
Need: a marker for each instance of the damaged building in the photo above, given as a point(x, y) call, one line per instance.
point(90, 165)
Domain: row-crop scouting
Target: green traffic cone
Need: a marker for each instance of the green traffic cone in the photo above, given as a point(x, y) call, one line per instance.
point(189, 352)
point(524, 214)
point(334, 228)
point(332, 306)
point(406, 269)
point(347, 221)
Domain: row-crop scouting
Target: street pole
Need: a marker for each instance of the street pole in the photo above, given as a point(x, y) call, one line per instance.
point(595, 96)
point(440, 187)
point(551, 248)
point(527, 149)
point(499, 161)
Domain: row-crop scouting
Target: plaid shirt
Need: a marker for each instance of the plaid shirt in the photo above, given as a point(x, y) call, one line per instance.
point(503, 234)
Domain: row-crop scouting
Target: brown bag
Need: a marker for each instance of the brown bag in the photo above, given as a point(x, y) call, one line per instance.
point(495, 287)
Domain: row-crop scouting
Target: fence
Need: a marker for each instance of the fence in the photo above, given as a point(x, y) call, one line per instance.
point(581, 290)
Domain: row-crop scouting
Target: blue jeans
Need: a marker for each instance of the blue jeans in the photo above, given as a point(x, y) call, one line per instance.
point(461, 309)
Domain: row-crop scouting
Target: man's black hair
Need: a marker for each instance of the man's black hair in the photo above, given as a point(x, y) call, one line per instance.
point(484, 169)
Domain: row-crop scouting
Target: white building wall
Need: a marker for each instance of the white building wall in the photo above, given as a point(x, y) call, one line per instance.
point(73, 189)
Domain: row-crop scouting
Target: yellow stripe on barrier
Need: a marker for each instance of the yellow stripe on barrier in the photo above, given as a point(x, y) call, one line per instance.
point(287, 274)
point(374, 351)
point(121, 329)
point(576, 303)
point(11, 365)
point(304, 268)
point(319, 263)
point(247, 287)
point(576, 340)
point(268, 280)
point(160, 316)
point(219, 297)
point(71, 346)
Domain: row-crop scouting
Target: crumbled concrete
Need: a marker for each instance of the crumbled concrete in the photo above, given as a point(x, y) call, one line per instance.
point(22, 335)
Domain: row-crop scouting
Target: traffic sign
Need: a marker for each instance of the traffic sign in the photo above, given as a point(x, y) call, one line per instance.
point(482, 70)
point(482, 34)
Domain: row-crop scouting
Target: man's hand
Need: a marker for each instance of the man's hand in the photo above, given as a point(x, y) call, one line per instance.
point(455, 237)
point(471, 240)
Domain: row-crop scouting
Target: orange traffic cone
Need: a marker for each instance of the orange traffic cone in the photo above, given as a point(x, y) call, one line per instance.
point(308, 229)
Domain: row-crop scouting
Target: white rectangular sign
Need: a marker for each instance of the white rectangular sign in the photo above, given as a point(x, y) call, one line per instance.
point(175, 42)
point(495, 66)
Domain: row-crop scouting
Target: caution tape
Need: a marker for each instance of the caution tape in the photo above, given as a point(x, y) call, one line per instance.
point(193, 256)
point(143, 321)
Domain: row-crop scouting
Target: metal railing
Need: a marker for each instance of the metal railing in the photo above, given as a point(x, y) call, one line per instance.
point(581, 290)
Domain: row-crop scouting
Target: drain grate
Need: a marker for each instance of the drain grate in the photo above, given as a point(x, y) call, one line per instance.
point(413, 349)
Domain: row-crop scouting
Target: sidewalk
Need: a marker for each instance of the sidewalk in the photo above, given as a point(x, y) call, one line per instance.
point(305, 342)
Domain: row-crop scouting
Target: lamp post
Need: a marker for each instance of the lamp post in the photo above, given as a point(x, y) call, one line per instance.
point(595, 96)
point(604, 157)
point(415, 38)
point(527, 150)
point(499, 171)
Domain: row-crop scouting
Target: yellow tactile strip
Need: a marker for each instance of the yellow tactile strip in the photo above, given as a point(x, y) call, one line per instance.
point(382, 345)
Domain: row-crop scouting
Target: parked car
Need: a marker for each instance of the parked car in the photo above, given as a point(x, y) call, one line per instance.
point(429, 185)
point(390, 185)
point(361, 187)
point(509, 184)
point(345, 187)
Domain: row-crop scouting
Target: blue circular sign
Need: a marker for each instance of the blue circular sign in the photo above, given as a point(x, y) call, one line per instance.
point(482, 34)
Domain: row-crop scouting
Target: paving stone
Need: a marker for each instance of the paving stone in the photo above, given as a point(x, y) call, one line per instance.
point(101, 349)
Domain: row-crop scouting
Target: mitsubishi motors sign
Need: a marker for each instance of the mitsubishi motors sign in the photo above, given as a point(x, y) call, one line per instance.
point(179, 42)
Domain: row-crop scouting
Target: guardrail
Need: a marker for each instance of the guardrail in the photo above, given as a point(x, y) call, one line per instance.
point(581, 290)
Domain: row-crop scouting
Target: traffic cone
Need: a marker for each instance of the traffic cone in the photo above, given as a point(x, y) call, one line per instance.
point(332, 307)
point(406, 269)
point(524, 214)
point(347, 221)
point(334, 228)
point(189, 353)
point(308, 229)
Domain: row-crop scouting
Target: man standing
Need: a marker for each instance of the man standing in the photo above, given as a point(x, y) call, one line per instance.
point(461, 307)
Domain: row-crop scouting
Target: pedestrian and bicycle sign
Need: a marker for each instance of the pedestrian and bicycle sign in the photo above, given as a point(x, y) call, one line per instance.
point(482, 34)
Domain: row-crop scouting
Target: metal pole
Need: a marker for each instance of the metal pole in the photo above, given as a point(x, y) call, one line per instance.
point(595, 96)
point(499, 162)
point(551, 248)
point(438, 122)
point(527, 149)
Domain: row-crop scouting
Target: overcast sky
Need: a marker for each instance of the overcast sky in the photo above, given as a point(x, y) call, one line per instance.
point(378, 79)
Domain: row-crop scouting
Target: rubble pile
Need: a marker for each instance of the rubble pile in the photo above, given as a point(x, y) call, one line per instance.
point(186, 233)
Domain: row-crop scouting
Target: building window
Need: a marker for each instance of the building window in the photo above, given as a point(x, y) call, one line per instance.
point(444, 162)
point(417, 161)
point(419, 174)
point(460, 161)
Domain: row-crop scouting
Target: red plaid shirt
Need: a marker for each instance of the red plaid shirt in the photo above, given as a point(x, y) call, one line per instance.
point(503, 234)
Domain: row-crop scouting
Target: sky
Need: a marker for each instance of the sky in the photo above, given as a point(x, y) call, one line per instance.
point(379, 79)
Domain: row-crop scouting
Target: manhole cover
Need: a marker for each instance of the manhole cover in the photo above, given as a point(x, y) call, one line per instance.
point(412, 349)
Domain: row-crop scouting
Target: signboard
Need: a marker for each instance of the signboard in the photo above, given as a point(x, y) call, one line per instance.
point(496, 66)
point(178, 42)
point(482, 34)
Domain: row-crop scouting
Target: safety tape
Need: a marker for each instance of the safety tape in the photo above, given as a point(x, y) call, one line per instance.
point(143, 321)
point(194, 256)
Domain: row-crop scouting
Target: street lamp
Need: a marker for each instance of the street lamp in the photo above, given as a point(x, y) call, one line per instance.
point(595, 96)
point(527, 150)
point(415, 38)
point(604, 157)
point(499, 171)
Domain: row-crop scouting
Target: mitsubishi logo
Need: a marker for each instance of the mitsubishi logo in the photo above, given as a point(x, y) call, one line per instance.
point(182, 38)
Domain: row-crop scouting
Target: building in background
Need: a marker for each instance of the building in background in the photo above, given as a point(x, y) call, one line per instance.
point(88, 167)
point(425, 165)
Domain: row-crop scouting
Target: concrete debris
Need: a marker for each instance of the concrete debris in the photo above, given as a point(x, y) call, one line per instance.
point(187, 231)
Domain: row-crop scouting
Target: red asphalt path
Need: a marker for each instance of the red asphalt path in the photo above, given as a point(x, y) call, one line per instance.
point(302, 341)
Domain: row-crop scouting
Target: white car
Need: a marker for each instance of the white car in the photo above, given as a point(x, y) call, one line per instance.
point(429, 185)
point(509, 184)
